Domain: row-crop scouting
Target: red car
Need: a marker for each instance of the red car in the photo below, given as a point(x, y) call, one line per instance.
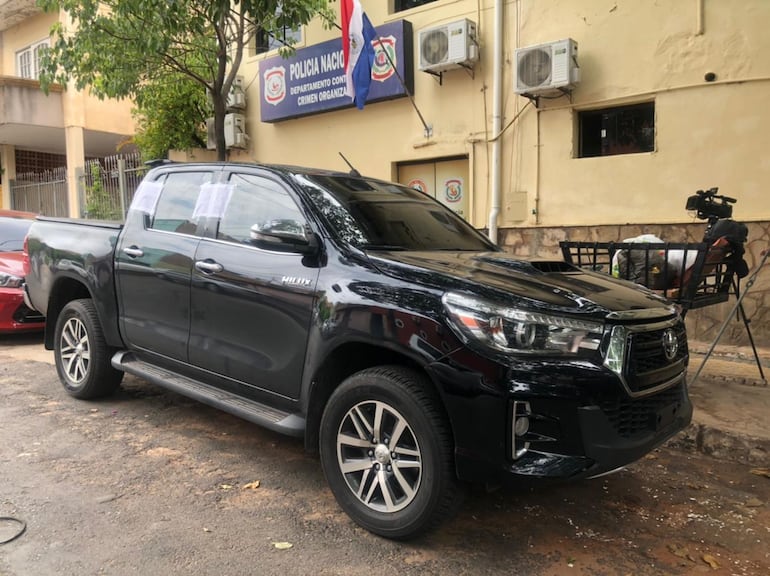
point(15, 316)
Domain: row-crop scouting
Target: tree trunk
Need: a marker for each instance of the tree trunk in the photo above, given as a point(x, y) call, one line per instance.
point(219, 125)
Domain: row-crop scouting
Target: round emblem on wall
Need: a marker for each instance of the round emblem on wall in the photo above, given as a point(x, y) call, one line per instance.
point(382, 70)
point(274, 85)
point(453, 190)
point(418, 184)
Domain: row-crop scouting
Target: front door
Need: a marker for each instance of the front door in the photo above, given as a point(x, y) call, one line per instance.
point(251, 307)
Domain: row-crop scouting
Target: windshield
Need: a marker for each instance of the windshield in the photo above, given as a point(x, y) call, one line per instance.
point(12, 233)
point(376, 215)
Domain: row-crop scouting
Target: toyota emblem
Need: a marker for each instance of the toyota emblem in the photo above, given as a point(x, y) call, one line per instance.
point(670, 344)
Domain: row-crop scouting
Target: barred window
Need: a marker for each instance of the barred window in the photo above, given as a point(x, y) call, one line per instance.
point(617, 130)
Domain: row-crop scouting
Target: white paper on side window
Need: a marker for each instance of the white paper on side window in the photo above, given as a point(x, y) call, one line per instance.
point(146, 196)
point(212, 201)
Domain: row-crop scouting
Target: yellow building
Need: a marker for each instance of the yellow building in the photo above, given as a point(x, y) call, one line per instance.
point(637, 105)
point(47, 138)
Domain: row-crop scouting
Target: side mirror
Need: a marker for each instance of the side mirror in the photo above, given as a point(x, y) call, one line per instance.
point(283, 234)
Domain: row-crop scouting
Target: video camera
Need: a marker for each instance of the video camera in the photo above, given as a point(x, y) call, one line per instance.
point(709, 205)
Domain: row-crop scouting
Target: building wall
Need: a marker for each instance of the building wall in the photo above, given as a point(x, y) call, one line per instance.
point(30, 31)
point(708, 132)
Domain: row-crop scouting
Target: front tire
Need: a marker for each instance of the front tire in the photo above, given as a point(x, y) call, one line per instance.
point(81, 352)
point(386, 450)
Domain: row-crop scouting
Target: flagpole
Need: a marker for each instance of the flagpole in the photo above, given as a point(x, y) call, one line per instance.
point(427, 128)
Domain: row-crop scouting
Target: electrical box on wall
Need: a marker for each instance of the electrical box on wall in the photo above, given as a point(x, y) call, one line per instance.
point(547, 67)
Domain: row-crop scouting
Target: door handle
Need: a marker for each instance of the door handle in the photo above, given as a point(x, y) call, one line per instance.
point(208, 266)
point(133, 252)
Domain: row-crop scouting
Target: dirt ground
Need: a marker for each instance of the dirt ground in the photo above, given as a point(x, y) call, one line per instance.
point(149, 482)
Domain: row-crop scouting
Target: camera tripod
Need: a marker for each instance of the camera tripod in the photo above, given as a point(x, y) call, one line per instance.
point(738, 307)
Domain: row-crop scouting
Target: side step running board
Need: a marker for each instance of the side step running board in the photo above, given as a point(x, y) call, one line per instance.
point(277, 420)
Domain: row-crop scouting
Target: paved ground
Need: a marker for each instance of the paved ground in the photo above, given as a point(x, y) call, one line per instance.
point(149, 482)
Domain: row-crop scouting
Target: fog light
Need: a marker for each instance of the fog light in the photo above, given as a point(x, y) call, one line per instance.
point(521, 426)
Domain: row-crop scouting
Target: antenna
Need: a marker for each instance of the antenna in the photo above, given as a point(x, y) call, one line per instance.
point(353, 171)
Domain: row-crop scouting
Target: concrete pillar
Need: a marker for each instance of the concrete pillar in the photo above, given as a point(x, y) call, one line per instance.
point(8, 166)
point(76, 162)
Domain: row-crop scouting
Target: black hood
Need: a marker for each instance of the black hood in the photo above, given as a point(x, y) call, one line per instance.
point(548, 284)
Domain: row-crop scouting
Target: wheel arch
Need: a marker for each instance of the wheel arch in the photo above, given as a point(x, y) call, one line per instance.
point(344, 361)
point(63, 291)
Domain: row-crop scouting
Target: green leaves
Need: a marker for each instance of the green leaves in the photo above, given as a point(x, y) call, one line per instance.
point(135, 48)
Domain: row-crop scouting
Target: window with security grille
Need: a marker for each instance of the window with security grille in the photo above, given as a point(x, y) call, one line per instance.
point(617, 130)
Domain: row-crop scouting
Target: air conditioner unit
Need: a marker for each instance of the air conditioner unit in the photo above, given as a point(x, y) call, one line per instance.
point(547, 67)
point(448, 46)
point(235, 132)
point(236, 99)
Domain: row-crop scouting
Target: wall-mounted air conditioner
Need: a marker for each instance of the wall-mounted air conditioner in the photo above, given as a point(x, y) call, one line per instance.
point(547, 67)
point(236, 100)
point(448, 46)
point(235, 132)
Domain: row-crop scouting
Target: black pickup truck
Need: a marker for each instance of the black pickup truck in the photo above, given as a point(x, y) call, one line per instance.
point(407, 349)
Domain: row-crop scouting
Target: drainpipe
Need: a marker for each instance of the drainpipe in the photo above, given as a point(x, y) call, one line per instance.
point(497, 119)
point(699, 17)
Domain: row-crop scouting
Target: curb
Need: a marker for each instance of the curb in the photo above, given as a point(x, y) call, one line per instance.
point(722, 445)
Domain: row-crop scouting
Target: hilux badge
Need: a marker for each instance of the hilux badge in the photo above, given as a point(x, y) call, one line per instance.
point(670, 344)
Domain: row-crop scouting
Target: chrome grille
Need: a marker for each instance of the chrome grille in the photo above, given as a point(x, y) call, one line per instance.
point(647, 365)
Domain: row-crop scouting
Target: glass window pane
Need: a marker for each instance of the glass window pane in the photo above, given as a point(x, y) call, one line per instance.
point(255, 200)
point(375, 215)
point(174, 211)
point(407, 4)
point(619, 130)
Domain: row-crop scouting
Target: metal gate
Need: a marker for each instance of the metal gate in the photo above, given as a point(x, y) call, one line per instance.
point(41, 192)
point(108, 185)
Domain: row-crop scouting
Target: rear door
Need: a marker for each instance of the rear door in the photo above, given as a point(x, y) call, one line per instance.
point(154, 261)
point(251, 306)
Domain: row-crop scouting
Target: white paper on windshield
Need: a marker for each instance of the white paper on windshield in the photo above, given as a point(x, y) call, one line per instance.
point(146, 196)
point(212, 201)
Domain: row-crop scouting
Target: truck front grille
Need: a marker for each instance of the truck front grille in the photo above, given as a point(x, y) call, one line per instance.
point(632, 416)
point(648, 357)
point(647, 365)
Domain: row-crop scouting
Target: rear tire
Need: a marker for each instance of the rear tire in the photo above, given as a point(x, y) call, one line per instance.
point(386, 450)
point(81, 353)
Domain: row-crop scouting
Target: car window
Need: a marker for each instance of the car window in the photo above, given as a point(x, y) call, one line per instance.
point(12, 233)
point(373, 215)
point(177, 201)
point(255, 201)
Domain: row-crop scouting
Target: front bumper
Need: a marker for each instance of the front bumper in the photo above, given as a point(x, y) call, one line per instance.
point(15, 315)
point(581, 423)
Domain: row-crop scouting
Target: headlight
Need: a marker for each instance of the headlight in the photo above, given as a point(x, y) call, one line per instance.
point(10, 281)
point(520, 331)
